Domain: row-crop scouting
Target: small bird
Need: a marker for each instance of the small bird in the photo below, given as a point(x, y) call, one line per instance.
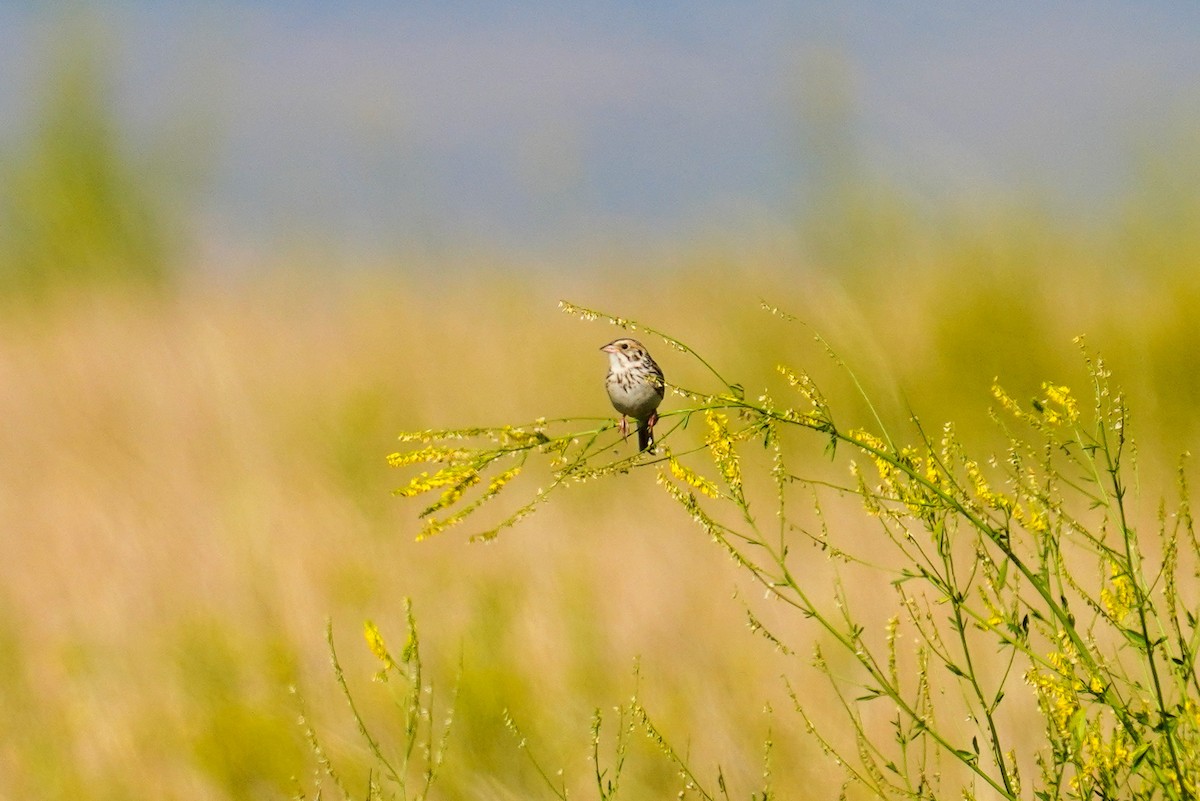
point(635, 386)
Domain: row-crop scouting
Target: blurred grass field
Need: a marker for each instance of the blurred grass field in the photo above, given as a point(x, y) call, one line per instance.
point(194, 476)
point(195, 480)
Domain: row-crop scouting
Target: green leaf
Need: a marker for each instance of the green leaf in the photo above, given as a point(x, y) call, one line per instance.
point(1078, 726)
point(1136, 639)
point(1166, 723)
point(1139, 755)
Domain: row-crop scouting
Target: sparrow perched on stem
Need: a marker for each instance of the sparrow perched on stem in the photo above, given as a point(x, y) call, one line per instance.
point(635, 386)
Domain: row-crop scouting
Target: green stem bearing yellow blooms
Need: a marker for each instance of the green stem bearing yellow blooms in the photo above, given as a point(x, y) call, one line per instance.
point(1022, 580)
point(410, 767)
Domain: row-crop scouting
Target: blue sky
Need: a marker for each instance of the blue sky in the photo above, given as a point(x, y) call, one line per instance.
point(534, 124)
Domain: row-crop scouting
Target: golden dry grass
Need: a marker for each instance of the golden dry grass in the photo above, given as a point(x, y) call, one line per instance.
point(197, 481)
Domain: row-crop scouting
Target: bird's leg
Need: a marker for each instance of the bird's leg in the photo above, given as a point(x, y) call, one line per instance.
point(624, 428)
point(646, 433)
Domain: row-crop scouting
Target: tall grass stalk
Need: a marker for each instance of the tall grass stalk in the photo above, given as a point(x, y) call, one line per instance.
point(408, 770)
point(1025, 582)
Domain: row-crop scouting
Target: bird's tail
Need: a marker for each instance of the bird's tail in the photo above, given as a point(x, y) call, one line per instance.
point(645, 436)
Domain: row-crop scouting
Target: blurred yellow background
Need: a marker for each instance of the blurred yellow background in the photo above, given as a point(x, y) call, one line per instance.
point(194, 476)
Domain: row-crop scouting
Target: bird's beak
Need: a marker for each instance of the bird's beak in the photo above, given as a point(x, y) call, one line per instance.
point(609, 348)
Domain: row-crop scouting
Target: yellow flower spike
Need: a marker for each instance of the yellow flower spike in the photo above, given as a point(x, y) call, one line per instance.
point(455, 493)
point(873, 446)
point(692, 478)
point(497, 483)
point(995, 615)
point(867, 438)
point(426, 455)
point(1121, 599)
point(1061, 396)
point(424, 482)
point(1057, 699)
point(802, 383)
point(376, 644)
point(520, 437)
point(990, 498)
point(933, 473)
point(1038, 521)
point(721, 446)
point(435, 526)
point(1008, 403)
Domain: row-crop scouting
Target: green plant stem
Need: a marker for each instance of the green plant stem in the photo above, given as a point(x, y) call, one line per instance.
point(1168, 729)
point(1064, 618)
point(805, 605)
point(372, 743)
point(956, 603)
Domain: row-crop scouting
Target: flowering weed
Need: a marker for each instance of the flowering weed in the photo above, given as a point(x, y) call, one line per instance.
point(1021, 581)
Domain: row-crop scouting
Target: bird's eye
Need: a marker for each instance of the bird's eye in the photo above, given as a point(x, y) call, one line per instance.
point(624, 346)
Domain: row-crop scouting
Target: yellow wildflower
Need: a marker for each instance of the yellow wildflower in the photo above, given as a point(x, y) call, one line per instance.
point(1007, 402)
point(803, 384)
point(375, 642)
point(520, 437)
point(1056, 697)
point(724, 454)
point(1121, 599)
point(1060, 396)
point(424, 482)
point(1040, 523)
point(693, 479)
point(1102, 762)
point(431, 453)
point(984, 491)
point(497, 483)
point(454, 494)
